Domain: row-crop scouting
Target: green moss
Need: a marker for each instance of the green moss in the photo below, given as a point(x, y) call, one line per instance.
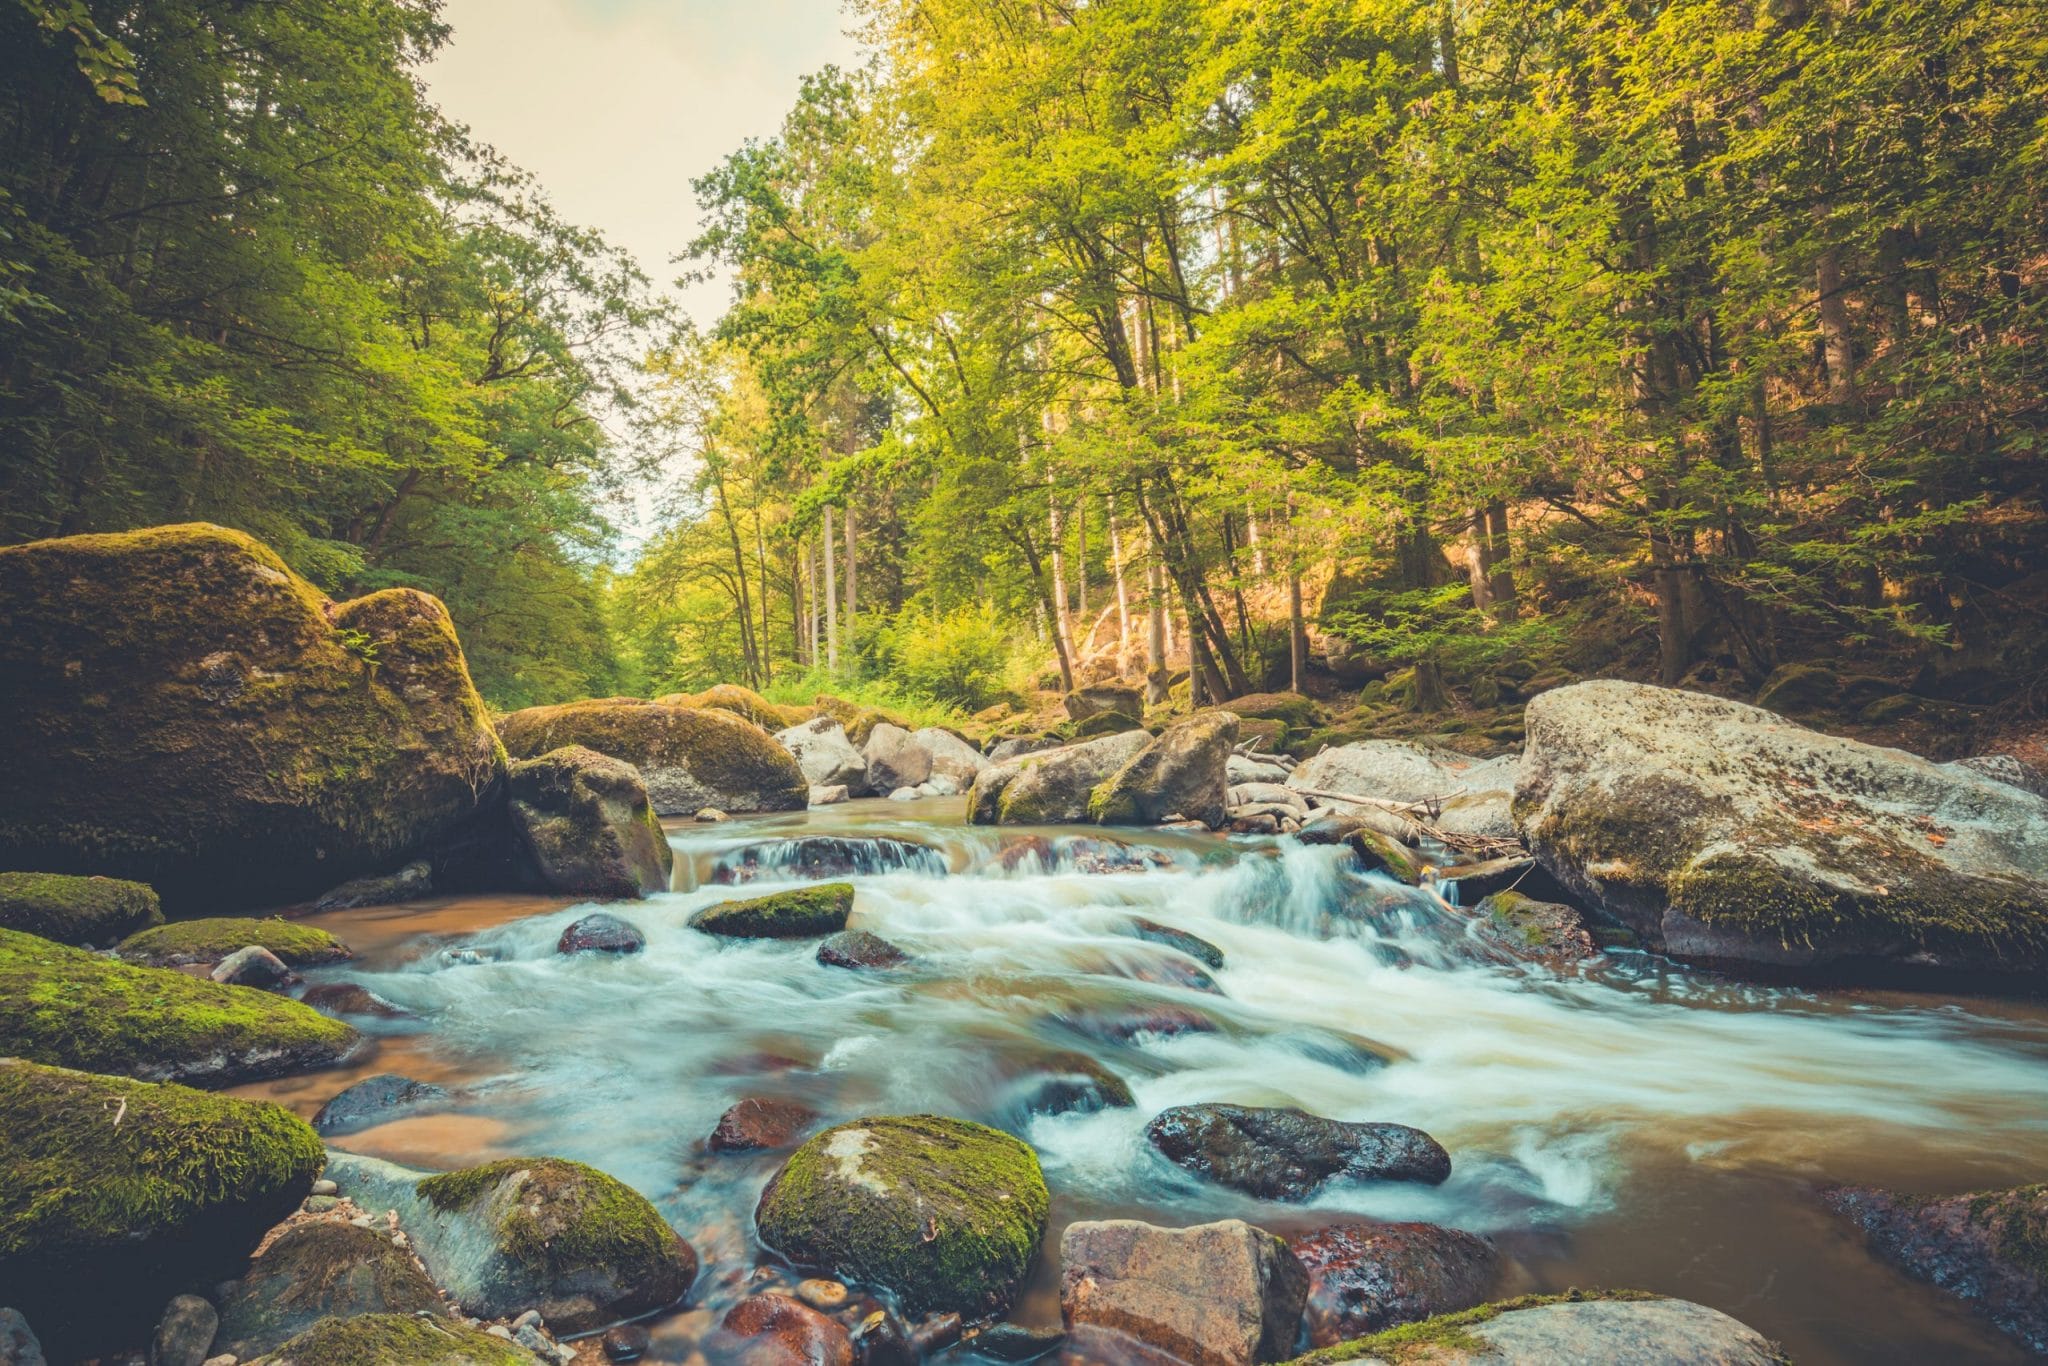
point(947, 1214)
point(1449, 1332)
point(742, 702)
point(395, 1340)
point(212, 939)
point(802, 913)
point(75, 1009)
point(1102, 723)
point(76, 910)
point(1378, 853)
point(2017, 1223)
point(722, 753)
point(564, 1218)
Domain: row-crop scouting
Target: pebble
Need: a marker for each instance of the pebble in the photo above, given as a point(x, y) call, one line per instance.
point(625, 1342)
point(822, 1294)
point(320, 1204)
point(499, 1330)
point(325, 1187)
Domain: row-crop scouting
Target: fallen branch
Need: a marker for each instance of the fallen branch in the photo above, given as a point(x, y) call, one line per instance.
point(1434, 806)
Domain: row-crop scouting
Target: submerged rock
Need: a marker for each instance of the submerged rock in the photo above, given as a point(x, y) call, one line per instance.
point(801, 913)
point(71, 1008)
point(689, 758)
point(101, 1222)
point(1051, 787)
point(378, 1100)
point(1223, 1294)
point(1287, 1154)
point(1988, 1249)
point(213, 940)
point(601, 933)
point(1366, 1277)
point(826, 755)
point(86, 911)
point(760, 1123)
point(946, 1214)
point(1069, 1082)
point(313, 1271)
point(349, 998)
point(775, 1330)
point(396, 1340)
point(1194, 946)
point(184, 710)
point(1134, 1023)
point(1641, 1330)
point(586, 823)
point(860, 949)
point(1722, 833)
point(1376, 853)
point(1181, 773)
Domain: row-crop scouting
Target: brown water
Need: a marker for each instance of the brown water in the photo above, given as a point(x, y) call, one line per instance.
point(1640, 1125)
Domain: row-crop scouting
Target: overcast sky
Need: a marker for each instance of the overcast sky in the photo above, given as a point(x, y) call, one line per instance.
point(617, 104)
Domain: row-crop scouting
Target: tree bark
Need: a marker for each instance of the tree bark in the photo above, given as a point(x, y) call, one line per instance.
point(1123, 599)
point(1498, 552)
point(1838, 344)
point(852, 594)
point(831, 598)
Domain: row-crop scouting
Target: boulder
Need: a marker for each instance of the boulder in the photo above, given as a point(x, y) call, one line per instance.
point(1366, 1277)
point(826, 756)
point(1223, 1294)
point(1287, 1154)
point(1181, 773)
point(378, 1100)
point(315, 1270)
point(254, 966)
point(860, 949)
point(801, 913)
point(1181, 941)
point(1985, 1248)
point(91, 912)
point(1721, 833)
point(585, 821)
point(601, 933)
point(1376, 853)
point(1476, 793)
point(184, 1335)
point(770, 716)
point(948, 1215)
point(760, 1123)
point(213, 940)
point(951, 757)
point(2007, 769)
point(689, 758)
point(536, 1233)
point(1015, 746)
point(895, 759)
point(70, 1008)
point(396, 1340)
point(101, 1222)
point(860, 721)
point(775, 1330)
point(1104, 698)
point(1799, 690)
point(409, 883)
point(1534, 931)
point(1642, 1330)
point(1267, 794)
point(19, 1345)
point(1051, 787)
point(830, 796)
point(184, 711)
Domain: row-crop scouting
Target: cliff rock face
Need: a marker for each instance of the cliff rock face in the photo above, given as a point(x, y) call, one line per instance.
point(183, 710)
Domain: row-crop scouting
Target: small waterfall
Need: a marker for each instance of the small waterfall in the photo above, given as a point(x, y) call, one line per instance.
point(814, 857)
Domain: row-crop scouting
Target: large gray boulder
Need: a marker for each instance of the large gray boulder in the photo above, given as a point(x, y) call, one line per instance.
point(826, 756)
point(951, 756)
point(1223, 1294)
point(1051, 787)
point(1477, 792)
point(1638, 1330)
point(1182, 773)
point(1720, 832)
point(895, 759)
point(586, 822)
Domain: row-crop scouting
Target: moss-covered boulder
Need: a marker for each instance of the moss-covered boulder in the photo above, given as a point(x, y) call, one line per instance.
point(1050, 787)
point(88, 911)
point(859, 721)
point(586, 822)
point(395, 1340)
point(946, 1214)
point(1539, 1330)
point(531, 1233)
point(1297, 715)
point(71, 1008)
point(688, 757)
point(801, 913)
point(1988, 1249)
point(1722, 833)
point(1182, 773)
point(1380, 853)
point(216, 937)
point(314, 1271)
point(745, 702)
point(117, 1194)
point(183, 710)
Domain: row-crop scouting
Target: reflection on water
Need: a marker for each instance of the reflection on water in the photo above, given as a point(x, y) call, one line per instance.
point(1632, 1124)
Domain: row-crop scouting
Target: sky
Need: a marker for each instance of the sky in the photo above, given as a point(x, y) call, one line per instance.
point(616, 105)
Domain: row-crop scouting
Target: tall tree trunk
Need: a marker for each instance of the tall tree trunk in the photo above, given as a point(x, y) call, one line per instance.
point(1479, 562)
point(1674, 632)
point(1838, 344)
point(1046, 594)
point(1499, 552)
point(831, 598)
point(767, 628)
point(1060, 629)
point(852, 594)
point(1123, 599)
point(1297, 630)
point(1155, 629)
point(1081, 555)
point(749, 650)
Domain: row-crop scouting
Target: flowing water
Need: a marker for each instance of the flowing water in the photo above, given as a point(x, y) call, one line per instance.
point(1637, 1124)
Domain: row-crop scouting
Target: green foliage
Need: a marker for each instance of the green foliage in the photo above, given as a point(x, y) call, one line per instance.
point(967, 658)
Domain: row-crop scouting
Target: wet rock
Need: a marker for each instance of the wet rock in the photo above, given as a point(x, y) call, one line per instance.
point(881, 1339)
point(941, 785)
point(1181, 773)
point(1642, 1331)
point(601, 933)
point(1014, 1342)
point(710, 815)
point(822, 1295)
point(1095, 855)
point(1288, 1154)
point(1473, 882)
point(587, 824)
point(1051, 787)
point(860, 949)
point(398, 1340)
point(760, 1123)
point(830, 795)
point(1253, 823)
point(1102, 698)
point(1018, 745)
point(1067, 1082)
point(1223, 1294)
point(1193, 946)
point(1136, 1023)
point(100, 1223)
point(946, 1214)
point(1333, 827)
point(410, 883)
point(895, 759)
point(378, 1100)
point(1378, 854)
point(214, 939)
point(802, 913)
point(536, 1233)
point(1474, 794)
point(827, 757)
point(18, 1343)
point(254, 966)
point(349, 998)
point(282, 761)
point(814, 857)
point(1164, 970)
point(184, 1335)
point(1366, 1277)
point(1722, 833)
point(314, 1271)
point(1984, 1248)
point(1535, 931)
point(775, 1330)
point(87, 911)
point(688, 757)
point(952, 758)
point(625, 1342)
point(1264, 794)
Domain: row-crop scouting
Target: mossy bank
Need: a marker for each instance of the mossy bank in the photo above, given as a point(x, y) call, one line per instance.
point(88, 911)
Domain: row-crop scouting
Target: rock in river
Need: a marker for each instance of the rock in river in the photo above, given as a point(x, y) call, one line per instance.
point(1366, 1277)
point(1223, 1294)
point(689, 758)
point(1286, 1154)
point(826, 756)
point(895, 759)
point(100, 1223)
point(185, 711)
point(1722, 833)
point(377, 1100)
point(1050, 787)
point(801, 913)
point(1989, 1249)
point(946, 1214)
point(760, 1123)
point(860, 949)
point(184, 1335)
point(1182, 773)
point(1640, 1330)
point(775, 1330)
point(601, 933)
point(90, 912)
point(215, 939)
point(315, 1270)
point(586, 822)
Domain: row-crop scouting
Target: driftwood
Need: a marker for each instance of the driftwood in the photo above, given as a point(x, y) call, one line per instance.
point(1434, 806)
point(1488, 846)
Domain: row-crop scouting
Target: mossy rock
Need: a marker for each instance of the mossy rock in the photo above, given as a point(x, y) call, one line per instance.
point(801, 913)
point(1099, 724)
point(184, 711)
point(770, 716)
point(1184, 772)
point(586, 821)
point(1800, 690)
point(858, 721)
point(214, 938)
point(315, 1271)
point(395, 1340)
point(70, 1008)
point(117, 1194)
point(688, 757)
point(1588, 1325)
point(946, 1214)
point(88, 911)
point(1050, 787)
point(1299, 714)
point(1379, 853)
